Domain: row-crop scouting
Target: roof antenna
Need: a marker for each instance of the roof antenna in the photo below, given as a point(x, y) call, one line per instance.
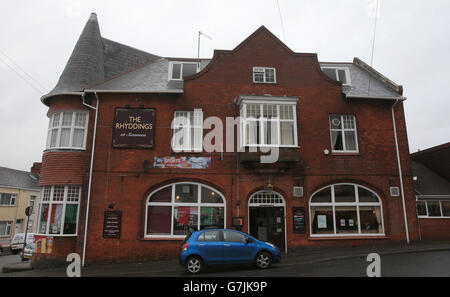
point(198, 49)
point(373, 42)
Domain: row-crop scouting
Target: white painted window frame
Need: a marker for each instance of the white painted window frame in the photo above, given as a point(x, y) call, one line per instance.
point(261, 121)
point(174, 204)
point(343, 130)
point(259, 69)
point(72, 127)
point(170, 72)
point(8, 227)
point(357, 204)
point(12, 201)
point(64, 202)
point(347, 74)
point(197, 125)
point(427, 216)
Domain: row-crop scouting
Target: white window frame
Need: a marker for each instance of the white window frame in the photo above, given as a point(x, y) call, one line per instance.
point(262, 70)
point(356, 204)
point(174, 204)
point(189, 144)
point(343, 130)
point(427, 216)
point(59, 126)
point(8, 227)
point(49, 199)
point(12, 201)
point(336, 69)
point(261, 120)
point(170, 72)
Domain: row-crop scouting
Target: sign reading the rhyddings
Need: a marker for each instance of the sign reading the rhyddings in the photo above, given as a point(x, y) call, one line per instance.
point(112, 224)
point(134, 127)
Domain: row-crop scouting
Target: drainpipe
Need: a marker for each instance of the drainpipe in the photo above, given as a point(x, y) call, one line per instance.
point(400, 172)
point(91, 169)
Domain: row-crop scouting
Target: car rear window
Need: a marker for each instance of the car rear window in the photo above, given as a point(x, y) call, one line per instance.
point(187, 237)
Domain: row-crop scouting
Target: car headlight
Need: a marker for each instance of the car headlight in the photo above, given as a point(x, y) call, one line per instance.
point(271, 245)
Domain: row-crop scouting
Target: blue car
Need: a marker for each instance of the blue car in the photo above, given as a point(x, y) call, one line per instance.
point(223, 246)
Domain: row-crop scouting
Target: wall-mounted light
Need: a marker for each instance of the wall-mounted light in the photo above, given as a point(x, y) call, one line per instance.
point(111, 205)
point(268, 187)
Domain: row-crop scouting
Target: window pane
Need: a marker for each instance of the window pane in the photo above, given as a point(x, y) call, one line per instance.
point(56, 219)
point(65, 137)
point(445, 208)
point(73, 193)
point(323, 196)
point(270, 75)
point(210, 196)
point(3, 230)
point(335, 122)
point(370, 217)
point(158, 219)
point(253, 111)
point(349, 122)
point(336, 141)
point(67, 119)
point(346, 220)
point(344, 193)
point(189, 69)
point(367, 196)
point(176, 71)
point(54, 135)
point(55, 120)
point(80, 119)
point(232, 236)
point(70, 219)
point(209, 236)
point(287, 133)
point(258, 76)
point(78, 138)
point(421, 208)
point(164, 195)
point(330, 72)
point(252, 132)
point(342, 76)
point(185, 219)
point(211, 218)
point(58, 193)
point(350, 140)
point(186, 193)
point(43, 216)
point(270, 132)
point(322, 220)
point(5, 199)
point(434, 210)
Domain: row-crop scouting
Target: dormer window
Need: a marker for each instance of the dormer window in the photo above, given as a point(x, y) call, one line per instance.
point(180, 70)
point(341, 74)
point(264, 75)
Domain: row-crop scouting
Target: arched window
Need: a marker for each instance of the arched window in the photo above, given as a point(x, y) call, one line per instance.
point(176, 209)
point(346, 210)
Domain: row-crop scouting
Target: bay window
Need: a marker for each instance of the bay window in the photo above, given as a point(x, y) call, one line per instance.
point(59, 209)
point(345, 210)
point(67, 130)
point(268, 124)
point(176, 209)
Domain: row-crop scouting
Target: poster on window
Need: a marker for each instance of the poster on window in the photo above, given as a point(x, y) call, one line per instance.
point(134, 127)
point(182, 162)
point(321, 221)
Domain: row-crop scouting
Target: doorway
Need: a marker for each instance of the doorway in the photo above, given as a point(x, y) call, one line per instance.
point(267, 219)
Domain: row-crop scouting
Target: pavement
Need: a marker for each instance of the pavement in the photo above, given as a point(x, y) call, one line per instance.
point(300, 255)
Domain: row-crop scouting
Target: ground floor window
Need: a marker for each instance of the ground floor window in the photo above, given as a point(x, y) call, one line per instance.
point(433, 208)
point(175, 210)
point(345, 209)
point(58, 210)
point(5, 228)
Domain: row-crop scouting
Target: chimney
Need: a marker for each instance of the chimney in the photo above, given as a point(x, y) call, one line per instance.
point(36, 168)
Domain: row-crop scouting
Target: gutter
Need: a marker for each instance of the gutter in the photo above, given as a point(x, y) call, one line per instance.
point(400, 173)
point(90, 174)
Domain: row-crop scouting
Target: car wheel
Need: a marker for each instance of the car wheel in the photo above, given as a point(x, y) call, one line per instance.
point(194, 264)
point(263, 260)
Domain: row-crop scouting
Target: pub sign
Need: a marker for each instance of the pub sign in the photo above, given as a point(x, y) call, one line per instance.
point(134, 127)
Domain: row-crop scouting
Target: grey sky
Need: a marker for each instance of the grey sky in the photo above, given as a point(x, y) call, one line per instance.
point(412, 48)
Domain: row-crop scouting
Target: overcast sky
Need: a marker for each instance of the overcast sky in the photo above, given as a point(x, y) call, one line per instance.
point(412, 48)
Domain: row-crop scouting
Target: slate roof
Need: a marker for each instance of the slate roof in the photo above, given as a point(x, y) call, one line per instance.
point(100, 64)
point(428, 182)
point(17, 179)
point(436, 158)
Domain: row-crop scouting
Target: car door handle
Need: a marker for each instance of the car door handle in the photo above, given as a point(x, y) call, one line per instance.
point(226, 244)
point(201, 244)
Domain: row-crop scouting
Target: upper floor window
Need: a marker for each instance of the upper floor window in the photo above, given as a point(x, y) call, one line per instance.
point(264, 75)
point(58, 213)
point(188, 130)
point(341, 74)
point(180, 70)
point(7, 199)
point(67, 130)
point(269, 124)
point(343, 133)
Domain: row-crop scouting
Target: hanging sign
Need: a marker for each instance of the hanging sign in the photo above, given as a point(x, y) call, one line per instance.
point(134, 128)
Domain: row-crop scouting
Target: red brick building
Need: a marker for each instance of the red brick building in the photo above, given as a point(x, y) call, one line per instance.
point(127, 151)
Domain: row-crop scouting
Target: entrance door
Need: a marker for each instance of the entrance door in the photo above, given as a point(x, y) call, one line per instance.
point(267, 218)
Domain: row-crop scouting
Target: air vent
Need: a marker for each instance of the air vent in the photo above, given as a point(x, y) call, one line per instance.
point(395, 191)
point(298, 191)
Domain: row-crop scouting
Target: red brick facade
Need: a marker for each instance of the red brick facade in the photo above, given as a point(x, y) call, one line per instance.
point(119, 176)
